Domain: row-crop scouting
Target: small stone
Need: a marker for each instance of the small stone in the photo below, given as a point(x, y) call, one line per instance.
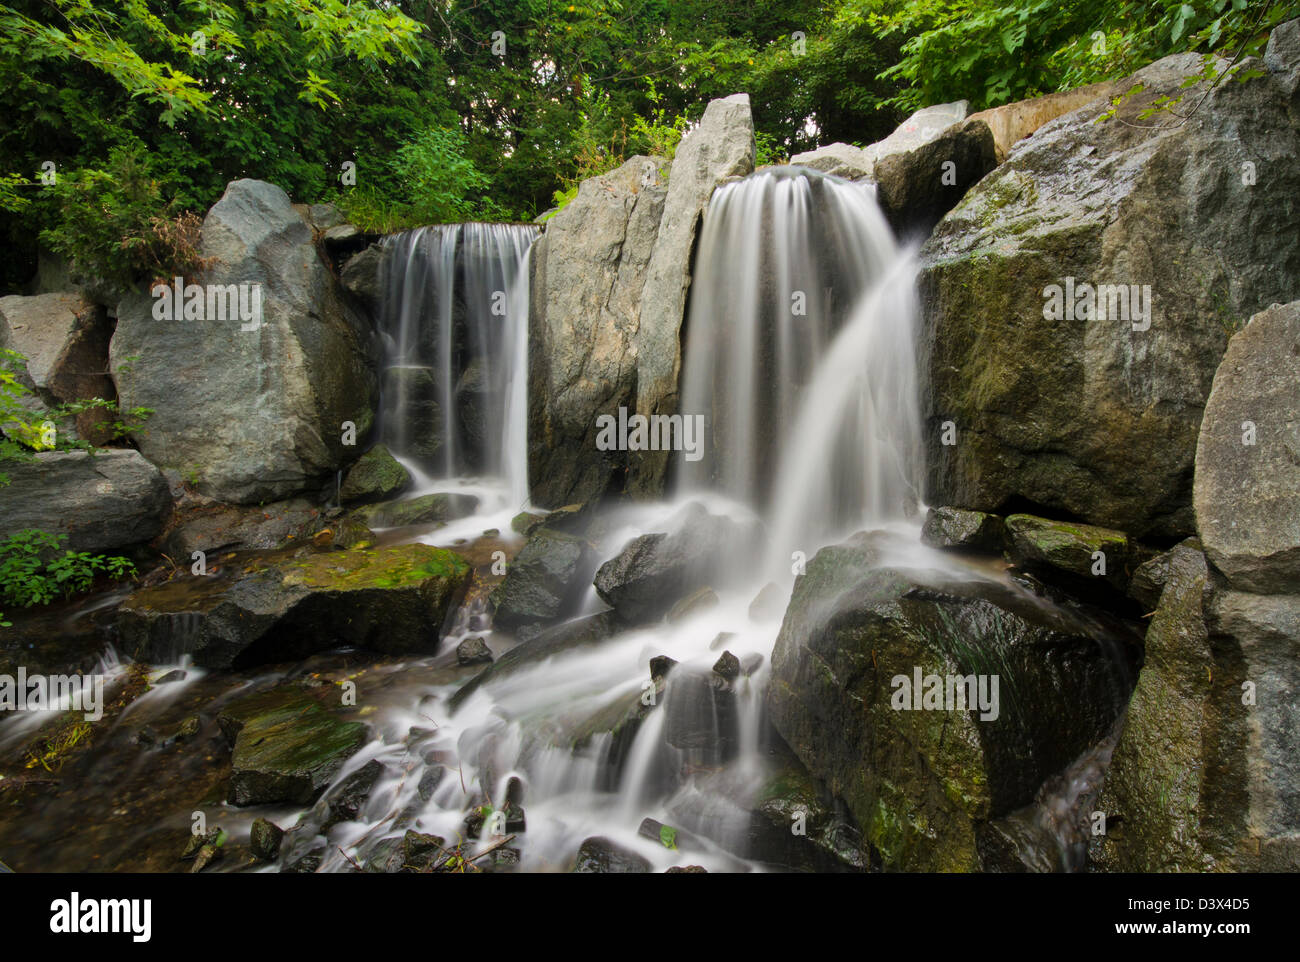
point(728, 666)
point(660, 666)
point(264, 839)
point(687, 870)
point(473, 651)
point(205, 857)
point(175, 675)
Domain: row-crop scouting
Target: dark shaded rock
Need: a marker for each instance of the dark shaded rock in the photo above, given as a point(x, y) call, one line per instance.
point(473, 651)
point(660, 666)
point(728, 666)
point(420, 852)
point(955, 528)
point(264, 840)
point(544, 582)
point(426, 509)
point(1149, 578)
point(393, 599)
point(360, 276)
point(654, 571)
point(287, 752)
point(702, 714)
point(916, 187)
point(214, 527)
point(918, 782)
point(376, 476)
point(430, 779)
point(687, 870)
point(346, 800)
point(601, 856)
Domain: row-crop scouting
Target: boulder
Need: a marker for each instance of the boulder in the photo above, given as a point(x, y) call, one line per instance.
point(376, 476)
point(103, 500)
point(65, 341)
point(720, 148)
point(1247, 490)
point(702, 715)
point(967, 530)
point(426, 509)
point(289, 751)
point(1083, 551)
point(1012, 123)
point(215, 527)
point(588, 270)
point(1150, 577)
point(264, 839)
point(916, 186)
point(1093, 417)
point(254, 410)
point(360, 276)
point(544, 582)
point(473, 651)
point(654, 571)
point(284, 607)
point(920, 770)
point(842, 160)
point(599, 855)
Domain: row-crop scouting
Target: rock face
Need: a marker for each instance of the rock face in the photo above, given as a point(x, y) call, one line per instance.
point(1088, 416)
point(955, 528)
point(393, 600)
point(588, 271)
point(360, 276)
point(544, 582)
point(257, 414)
point(1247, 491)
point(65, 340)
point(656, 570)
point(920, 781)
point(101, 501)
point(286, 748)
point(720, 148)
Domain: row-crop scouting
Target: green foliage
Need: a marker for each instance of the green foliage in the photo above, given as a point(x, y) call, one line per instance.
point(118, 223)
point(32, 572)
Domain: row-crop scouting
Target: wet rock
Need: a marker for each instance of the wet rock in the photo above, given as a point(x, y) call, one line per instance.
point(694, 603)
point(376, 476)
point(473, 651)
point(660, 666)
point(768, 604)
point(702, 715)
point(393, 599)
point(411, 398)
point(911, 186)
point(347, 799)
point(1084, 551)
point(420, 852)
point(214, 527)
point(955, 528)
point(719, 148)
point(103, 501)
point(721, 640)
point(305, 864)
point(287, 749)
point(669, 836)
point(1247, 490)
point(197, 842)
point(728, 666)
point(1095, 414)
point(749, 663)
point(919, 778)
point(544, 582)
point(360, 276)
point(255, 413)
point(264, 839)
point(426, 509)
point(175, 675)
point(687, 870)
point(571, 635)
point(205, 857)
point(1150, 577)
point(654, 571)
point(599, 855)
point(525, 522)
point(430, 779)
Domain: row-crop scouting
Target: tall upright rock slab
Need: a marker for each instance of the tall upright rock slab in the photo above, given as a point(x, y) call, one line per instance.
point(254, 411)
point(720, 148)
point(588, 270)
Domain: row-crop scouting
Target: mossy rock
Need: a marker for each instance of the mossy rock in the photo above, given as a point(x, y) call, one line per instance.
point(1082, 550)
point(426, 509)
point(376, 476)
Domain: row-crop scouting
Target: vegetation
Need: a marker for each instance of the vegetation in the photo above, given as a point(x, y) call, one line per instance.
point(32, 572)
point(125, 121)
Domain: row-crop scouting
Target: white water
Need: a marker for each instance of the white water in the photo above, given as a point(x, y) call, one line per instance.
point(455, 327)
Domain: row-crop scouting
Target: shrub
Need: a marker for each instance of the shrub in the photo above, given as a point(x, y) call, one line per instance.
point(27, 579)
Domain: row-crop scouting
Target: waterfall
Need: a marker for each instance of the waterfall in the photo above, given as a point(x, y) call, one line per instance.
point(454, 320)
point(799, 353)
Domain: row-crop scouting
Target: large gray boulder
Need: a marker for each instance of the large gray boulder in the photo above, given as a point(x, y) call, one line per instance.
point(922, 778)
point(588, 270)
point(101, 501)
point(64, 338)
point(1098, 417)
point(1247, 490)
point(719, 149)
point(256, 414)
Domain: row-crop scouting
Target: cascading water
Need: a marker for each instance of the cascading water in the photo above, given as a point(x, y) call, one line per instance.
point(455, 325)
point(799, 353)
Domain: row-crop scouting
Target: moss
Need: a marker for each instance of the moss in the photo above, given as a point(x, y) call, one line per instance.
point(396, 567)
